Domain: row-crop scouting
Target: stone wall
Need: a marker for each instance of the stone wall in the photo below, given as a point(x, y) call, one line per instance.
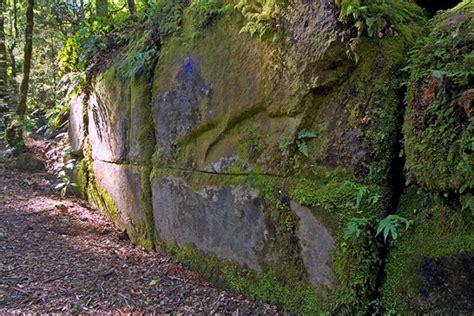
point(203, 157)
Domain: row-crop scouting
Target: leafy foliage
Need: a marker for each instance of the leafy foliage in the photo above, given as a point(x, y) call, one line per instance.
point(136, 62)
point(438, 123)
point(361, 191)
point(205, 11)
point(168, 15)
point(377, 17)
point(355, 227)
point(263, 16)
point(389, 226)
point(65, 182)
point(299, 141)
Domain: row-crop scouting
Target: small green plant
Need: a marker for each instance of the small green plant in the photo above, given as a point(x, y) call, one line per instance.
point(375, 18)
point(298, 141)
point(64, 180)
point(390, 224)
point(355, 227)
point(361, 191)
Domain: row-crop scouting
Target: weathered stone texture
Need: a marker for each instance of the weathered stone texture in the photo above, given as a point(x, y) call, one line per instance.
point(317, 244)
point(227, 221)
point(176, 112)
point(108, 124)
point(122, 184)
point(77, 124)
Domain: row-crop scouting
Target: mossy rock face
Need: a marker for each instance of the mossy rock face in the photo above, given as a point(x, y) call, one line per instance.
point(226, 220)
point(118, 118)
point(77, 123)
point(438, 122)
point(123, 184)
point(235, 189)
point(245, 97)
point(118, 149)
point(108, 118)
point(430, 268)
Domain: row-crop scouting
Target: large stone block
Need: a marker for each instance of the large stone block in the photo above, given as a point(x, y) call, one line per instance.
point(176, 112)
point(122, 184)
point(118, 114)
point(108, 121)
point(317, 244)
point(77, 124)
point(227, 221)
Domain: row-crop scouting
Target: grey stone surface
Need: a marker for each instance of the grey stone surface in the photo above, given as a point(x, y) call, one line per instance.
point(76, 124)
point(223, 164)
point(108, 123)
point(318, 52)
point(137, 121)
point(122, 183)
point(177, 112)
point(227, 221)
point(316, 244)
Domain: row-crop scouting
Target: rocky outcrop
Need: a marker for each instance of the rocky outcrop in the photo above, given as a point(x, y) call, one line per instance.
point(430, 269)
point(264, 164)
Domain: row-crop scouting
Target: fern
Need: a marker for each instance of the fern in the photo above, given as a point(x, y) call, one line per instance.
point(169, 15)
point(136, 62)
point(261, 15)
point(389, 226)
point(378, 17)
point(205, 11)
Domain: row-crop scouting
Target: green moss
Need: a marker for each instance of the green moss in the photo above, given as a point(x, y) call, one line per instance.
point(279, 285)
point(139, 233)
point(96, 195)
point(81, 178)
point(438, 125)
point(333, 197)
point(356, 258)
point(104, 202)
point(439, 231)
point(141, 101)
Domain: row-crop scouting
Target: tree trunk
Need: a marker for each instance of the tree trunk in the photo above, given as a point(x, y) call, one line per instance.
point(3, 53)
point(11, 49)
point(131, 7)
point(27, 62)
point(101, 7)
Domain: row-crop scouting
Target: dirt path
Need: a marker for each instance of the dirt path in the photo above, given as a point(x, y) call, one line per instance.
point(57, 255)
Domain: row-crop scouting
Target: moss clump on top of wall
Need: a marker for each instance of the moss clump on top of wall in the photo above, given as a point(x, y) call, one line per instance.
point(439, 124)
